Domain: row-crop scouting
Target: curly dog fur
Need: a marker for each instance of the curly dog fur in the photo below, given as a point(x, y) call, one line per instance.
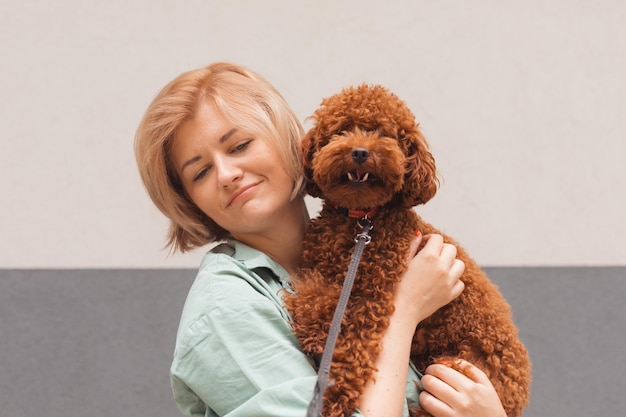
point(366, 150)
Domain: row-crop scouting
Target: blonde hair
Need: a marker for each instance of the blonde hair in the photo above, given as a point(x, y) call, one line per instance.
point(248, 101)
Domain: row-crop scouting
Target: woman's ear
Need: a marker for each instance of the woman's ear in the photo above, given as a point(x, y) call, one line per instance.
point(308, 153)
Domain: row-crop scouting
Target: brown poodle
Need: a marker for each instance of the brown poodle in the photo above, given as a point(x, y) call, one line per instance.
point(366, 156)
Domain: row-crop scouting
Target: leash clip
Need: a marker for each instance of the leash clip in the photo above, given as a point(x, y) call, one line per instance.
point(366, 225)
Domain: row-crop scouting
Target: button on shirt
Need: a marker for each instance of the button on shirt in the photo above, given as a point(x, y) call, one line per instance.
point(235, 353)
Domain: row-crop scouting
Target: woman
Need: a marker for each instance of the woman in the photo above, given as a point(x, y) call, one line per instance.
point(218, 151)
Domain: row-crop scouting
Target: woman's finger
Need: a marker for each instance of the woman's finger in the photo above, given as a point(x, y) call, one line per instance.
point(475, 373)
point(415, 244)
point(448, 254)
point(434, 245)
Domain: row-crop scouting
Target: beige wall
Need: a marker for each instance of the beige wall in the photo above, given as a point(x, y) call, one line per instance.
point(524, 104)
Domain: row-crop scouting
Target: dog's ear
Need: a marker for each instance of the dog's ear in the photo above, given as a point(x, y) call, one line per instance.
point(421, 180)
point(308, 152)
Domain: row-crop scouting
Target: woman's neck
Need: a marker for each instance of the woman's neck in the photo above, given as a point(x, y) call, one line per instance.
point(283, 243)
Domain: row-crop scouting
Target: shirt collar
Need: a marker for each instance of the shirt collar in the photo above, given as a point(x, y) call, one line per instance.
point(251, 258)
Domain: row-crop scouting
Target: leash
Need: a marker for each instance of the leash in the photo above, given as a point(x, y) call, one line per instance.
point(361, 239)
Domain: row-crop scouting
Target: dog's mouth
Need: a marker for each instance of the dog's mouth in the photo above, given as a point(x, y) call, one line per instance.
point(359, 176)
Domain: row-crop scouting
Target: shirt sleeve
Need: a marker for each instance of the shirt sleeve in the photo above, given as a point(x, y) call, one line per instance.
point(413, 387)
point(240, 358)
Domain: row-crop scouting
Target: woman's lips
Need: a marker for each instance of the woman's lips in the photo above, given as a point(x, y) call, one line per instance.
point(241, 191)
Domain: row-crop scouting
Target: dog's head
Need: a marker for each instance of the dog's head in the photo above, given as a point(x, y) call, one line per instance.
point(366, 150)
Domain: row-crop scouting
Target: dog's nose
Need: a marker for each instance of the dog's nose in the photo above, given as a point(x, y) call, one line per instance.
point(359, 155)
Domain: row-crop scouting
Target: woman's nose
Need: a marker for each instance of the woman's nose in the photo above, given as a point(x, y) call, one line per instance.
point(228, 173)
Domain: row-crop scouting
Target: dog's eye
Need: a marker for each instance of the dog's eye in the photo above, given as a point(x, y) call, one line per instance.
point(336, 136)
point(388, 134)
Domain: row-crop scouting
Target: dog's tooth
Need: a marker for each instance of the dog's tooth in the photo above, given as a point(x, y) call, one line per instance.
point(350, 177)
point(366, 176)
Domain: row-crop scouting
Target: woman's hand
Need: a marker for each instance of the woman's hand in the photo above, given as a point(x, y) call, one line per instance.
point(449, 393)
point(431, 280)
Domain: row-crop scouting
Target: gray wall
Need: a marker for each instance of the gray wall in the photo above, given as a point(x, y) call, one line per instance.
point(99, 342)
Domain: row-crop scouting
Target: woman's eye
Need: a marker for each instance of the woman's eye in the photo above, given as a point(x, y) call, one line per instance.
point(200, 174)
point(241, 146)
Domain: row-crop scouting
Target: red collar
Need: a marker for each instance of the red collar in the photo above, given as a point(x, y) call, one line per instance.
point(357, 213)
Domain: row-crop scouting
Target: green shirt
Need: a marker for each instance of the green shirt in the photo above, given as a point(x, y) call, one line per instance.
point(235, 353)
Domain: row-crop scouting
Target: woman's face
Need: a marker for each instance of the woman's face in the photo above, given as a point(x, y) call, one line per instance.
point(235, 177)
